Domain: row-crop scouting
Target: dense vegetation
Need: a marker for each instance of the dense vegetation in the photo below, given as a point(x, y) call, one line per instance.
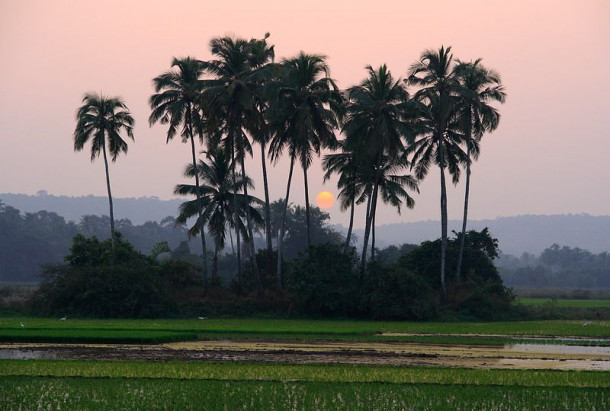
point(96, 281)
point(557, 267)
point(161, 385)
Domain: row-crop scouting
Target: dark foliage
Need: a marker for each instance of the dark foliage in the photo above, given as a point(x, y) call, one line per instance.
point(323, 281)
point(480, 293)
point(96, 282)
point(392, 293)
point(557, 267)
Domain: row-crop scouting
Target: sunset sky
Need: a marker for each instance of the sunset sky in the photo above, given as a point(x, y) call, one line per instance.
point(550, 154)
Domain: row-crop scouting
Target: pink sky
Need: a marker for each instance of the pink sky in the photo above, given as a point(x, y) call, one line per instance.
point(549, 155)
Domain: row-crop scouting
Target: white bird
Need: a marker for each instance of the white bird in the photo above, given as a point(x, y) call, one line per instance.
point(202, 318)
point(63, 318)
point(22, 324)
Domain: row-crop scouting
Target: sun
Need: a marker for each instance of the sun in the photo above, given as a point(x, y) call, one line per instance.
point(325, 199)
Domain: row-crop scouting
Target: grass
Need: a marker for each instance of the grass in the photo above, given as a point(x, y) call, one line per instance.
point(193, 385)
point(190, 370)
point(94, 336)
point(570, 303)
point(156, 331)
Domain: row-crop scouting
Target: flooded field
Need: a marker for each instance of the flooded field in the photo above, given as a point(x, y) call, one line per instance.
point(516, 356)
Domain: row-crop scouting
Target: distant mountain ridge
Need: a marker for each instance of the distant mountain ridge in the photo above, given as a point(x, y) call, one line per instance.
point(516, 235)
point(137, 210)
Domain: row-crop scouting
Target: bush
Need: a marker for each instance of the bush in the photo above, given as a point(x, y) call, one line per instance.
point(479, 292)
point(391, 293)
point(323, 281)
point(95, 281)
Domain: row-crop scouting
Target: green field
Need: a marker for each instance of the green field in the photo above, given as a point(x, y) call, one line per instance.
point(191, 385)
point(563, 302)
point(315, 327)
point(180, 384)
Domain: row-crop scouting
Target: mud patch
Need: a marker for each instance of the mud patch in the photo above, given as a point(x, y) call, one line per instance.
point(325, 352)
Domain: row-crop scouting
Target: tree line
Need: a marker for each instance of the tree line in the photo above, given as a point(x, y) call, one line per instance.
point(557, 267)
point(393, 130)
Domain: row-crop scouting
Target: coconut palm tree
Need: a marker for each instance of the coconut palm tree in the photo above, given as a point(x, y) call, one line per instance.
point(217, 192)
point(480, 86)
point(376, 128)
point(178, 92)
point(304, 113)
point(233, 101)
point(101, 120)
point(351, 184)
point(261, 55)
point(439, 138)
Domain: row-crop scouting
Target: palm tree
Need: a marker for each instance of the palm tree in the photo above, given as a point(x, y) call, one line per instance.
point(233, 100)
point(217, 192)
point(176, 103)
point(480, 86)
point(101, 119)
point(305, 112)
point(352, 187)
point(261, 54)
point(375, 128)
point(439, 138)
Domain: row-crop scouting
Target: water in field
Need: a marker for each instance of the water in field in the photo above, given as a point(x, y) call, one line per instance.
point(515, 356)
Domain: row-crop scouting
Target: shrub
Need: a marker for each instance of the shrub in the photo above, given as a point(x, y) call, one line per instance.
point(323, 281)
point(392, 293)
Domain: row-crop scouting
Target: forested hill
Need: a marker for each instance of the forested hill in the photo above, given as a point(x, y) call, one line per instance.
point(137, 210)
point(519, 234)
point(516, 235)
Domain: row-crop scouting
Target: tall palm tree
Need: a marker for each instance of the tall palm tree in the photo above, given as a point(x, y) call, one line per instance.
point(439, 139)
point(261, 55)
point(376, 128)
point(217, 193)
point(101, 120)
point(392, 187)
point(305, 112)
point(233, 100)
point(480, 86)
point(176, 103)
point(352, 184)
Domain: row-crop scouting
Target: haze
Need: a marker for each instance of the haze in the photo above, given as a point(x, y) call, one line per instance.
point(549, 155)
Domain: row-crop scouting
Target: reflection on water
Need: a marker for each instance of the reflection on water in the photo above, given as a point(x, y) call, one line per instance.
point(13, 354)
point(559, 349)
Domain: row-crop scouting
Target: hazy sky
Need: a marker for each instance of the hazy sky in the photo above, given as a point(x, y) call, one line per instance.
point(549, 155)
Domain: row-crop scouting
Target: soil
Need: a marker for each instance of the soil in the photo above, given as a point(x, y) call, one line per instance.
point(330, 352)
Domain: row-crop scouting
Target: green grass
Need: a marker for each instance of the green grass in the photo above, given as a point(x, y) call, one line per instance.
point(94, 336)
point(320, 327)
point(137, 394)
point(43, 384)
point(157, 331)
point(187, 370)
point(561, 302)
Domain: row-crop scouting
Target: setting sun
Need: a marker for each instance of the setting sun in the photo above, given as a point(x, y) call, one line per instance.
point(325, 199)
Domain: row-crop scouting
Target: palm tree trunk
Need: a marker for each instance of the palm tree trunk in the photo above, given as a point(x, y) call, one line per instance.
point(351, 226)
point(259, 285)
point(373, 234)
point(189, 122)
point(367, 230)
point(307, 219)
point(268, 232)
point(280, 237)
point(443, 229)
point(235, 212)
point(458, 271)
point(112, 239)
point(215, 262)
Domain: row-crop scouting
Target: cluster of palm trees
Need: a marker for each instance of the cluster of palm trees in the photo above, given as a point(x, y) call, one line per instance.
point(242, 97)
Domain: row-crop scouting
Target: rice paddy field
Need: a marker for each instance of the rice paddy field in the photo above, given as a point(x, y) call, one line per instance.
point(302, 364)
